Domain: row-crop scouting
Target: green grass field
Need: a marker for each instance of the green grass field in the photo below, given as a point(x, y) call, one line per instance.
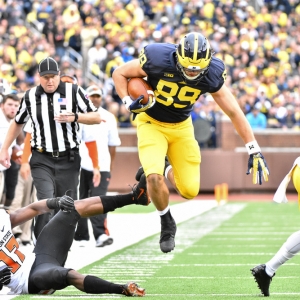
point(212, 259)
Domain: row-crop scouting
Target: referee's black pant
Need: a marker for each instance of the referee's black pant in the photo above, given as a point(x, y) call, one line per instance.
point(53, 177)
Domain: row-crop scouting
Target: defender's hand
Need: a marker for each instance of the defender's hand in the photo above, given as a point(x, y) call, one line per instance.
point(66, 203)
point(5, 276)
point(259, 166)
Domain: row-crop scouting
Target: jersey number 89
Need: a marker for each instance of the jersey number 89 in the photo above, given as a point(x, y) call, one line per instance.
point(170, 93)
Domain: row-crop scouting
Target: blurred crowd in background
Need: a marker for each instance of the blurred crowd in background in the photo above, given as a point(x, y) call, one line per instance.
point(259, 42)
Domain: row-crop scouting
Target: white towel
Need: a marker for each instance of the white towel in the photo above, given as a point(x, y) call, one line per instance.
point(280, 195)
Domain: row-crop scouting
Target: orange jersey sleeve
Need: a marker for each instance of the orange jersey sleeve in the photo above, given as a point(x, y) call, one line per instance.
point(27, 148)
point(93, 153)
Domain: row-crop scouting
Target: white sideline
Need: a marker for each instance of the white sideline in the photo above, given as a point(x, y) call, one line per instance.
point(126, 230)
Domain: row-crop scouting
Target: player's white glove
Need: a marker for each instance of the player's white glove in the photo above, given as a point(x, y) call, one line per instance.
point(257, 163)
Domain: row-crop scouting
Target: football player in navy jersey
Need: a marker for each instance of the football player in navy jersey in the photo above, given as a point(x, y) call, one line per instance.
point(179, 74)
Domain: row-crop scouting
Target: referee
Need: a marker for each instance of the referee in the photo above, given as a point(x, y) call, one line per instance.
point(55, 108)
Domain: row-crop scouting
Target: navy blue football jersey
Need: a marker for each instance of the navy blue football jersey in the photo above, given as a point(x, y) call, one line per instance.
point(174, 97)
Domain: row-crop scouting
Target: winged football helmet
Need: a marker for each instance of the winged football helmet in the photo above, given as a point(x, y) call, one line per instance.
point(193, 57)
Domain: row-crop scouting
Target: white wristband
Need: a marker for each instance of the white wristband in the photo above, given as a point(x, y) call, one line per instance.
point(127, 101)
point(252, 147)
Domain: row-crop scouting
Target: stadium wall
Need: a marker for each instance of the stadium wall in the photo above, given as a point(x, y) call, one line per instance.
point(226, 164)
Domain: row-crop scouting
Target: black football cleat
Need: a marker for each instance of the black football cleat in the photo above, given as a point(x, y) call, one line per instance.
point(140, 171)
point(168, 231)
point(140, 194)
point(131, 289)
point(262, 279)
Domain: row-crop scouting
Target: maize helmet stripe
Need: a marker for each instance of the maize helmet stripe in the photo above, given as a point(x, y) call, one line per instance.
point(182, 47)
point(207, 49)
point(195, 55)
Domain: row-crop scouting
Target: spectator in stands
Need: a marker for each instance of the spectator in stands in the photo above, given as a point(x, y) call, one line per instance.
point(65, 65)
point(75, 41)
point(259, 49)
point(44, 12)
point(272, 121)
point(282, 82)
point(88, 34)
point(71, 15)
point(19, 29)
point(289, 120)
point(6, 72)
point(263, 102)
point(96, 56)
point(13, 12)
point(256, 119)
point(59, 33)
point(116, 61)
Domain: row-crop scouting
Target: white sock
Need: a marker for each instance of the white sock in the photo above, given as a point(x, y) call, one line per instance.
point(288, 250)
point(163, 212)
point(277, 260)
point(167, 170)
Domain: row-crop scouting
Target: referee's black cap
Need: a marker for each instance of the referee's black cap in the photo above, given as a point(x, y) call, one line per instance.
point(48, 66)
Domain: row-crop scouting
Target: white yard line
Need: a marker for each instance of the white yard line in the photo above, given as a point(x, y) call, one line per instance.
point(171, 296)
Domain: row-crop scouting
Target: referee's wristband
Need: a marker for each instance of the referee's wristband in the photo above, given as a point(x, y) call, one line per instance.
point(75, 117)
point(127, 101)
point(252, 147)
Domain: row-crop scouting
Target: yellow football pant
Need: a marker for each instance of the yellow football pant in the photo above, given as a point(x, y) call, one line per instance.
point(177, 141)
point(296, 181)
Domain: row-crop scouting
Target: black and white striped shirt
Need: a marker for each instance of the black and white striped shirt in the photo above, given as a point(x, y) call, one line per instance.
point(41, 108)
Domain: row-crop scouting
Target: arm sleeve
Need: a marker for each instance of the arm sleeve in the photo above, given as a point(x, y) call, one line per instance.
point(27, 148)
point(93, 153)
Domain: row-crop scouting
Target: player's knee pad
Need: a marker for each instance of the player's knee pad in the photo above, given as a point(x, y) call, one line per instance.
point(59, 277)
point(50, 278)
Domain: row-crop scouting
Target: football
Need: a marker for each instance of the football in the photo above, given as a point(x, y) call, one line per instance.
point(137, 87)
